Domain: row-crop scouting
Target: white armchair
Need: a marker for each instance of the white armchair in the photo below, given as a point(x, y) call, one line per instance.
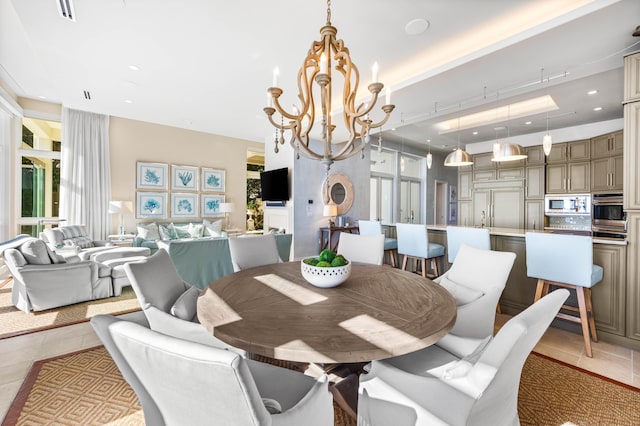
point(169, 303)
point(439, 388)
point(44, 280)
point(209, 385)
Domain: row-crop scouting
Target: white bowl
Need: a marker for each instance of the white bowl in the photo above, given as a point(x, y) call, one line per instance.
point(325, 277)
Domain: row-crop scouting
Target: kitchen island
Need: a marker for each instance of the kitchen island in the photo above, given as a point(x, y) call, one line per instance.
point(609, 297)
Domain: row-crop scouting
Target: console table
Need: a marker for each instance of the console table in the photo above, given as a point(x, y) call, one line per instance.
point(328, 234)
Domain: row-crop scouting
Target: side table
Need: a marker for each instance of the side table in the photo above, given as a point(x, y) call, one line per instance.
point(125, 240)
point(328, 235)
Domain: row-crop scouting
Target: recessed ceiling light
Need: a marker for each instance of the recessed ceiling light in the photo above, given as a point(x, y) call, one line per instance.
point(428, 140)
point(128, 101)
point(42, 97)
point(592, 92)
point(597, 109)
point(393, 128)
point(416, 26)
point(134, 68)
point(475, 133)
point(527, 123)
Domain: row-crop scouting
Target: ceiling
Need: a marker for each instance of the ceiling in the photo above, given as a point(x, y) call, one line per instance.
point(206, 65)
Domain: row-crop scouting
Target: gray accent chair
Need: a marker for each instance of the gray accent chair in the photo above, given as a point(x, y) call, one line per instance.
point(435, 387)
point(476, 280)
point(249, 252)
point(75, 236)
point(169, 303)
point(209, 385)
point(44, 280)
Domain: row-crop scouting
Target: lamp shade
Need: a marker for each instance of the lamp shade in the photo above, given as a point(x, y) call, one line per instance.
point(330, 210)
point(227, 207)
point(115, 207)
point(546, 144)
point(508, 152)
point(458, 158)
point(429, 160)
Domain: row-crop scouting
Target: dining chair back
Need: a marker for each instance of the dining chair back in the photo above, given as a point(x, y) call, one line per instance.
point(566, 261)
point(362, 248)
point(435, 387)
point(413, 243)
point(373, 227)
point(249, 252)
point(474, 237)
point(169, 303)
point(208, 384)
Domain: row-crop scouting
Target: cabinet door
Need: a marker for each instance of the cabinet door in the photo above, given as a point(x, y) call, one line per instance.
point(465, 213)
point(600, 146)
point(465, 185)
point(579, 177)
point(558, 153)
point(600, 174)
point(556, 178)
point(512, 173)
point(535, 155)
point(483, 161)
point(535, 182)
point(617, 143)
point(632, 156)
point(609, 295)
point(632, 77)
point(507, 208)
point(479, 175)
point(579, 150)
point(617, 178)
point(534, 214)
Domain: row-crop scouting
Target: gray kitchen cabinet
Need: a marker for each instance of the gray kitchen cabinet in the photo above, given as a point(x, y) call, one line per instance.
point(606, 174)
point(608, 145)
point(502, 206)
point(465, 185)
point(569, 178)
point(534, 181)
point(534, 214)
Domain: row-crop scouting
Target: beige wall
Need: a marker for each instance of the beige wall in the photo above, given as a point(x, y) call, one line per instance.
point(133, 141)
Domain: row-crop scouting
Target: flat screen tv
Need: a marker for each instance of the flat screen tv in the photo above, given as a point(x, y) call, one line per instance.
point(275, 185)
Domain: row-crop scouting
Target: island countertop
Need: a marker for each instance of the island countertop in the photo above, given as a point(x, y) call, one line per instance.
point(519, 232)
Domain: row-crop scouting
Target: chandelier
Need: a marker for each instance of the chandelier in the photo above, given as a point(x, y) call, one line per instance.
point(327, 55)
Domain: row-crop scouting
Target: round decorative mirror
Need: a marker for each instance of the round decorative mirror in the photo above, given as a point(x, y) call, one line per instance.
point(340, 191)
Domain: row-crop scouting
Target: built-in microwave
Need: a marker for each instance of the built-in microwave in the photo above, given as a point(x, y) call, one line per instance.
point(608, 216)
point(567, 205)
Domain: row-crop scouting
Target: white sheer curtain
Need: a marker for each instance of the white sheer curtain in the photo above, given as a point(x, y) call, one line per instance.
point(5, 177)
point(85, 178)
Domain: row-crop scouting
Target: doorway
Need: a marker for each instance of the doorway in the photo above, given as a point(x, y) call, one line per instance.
point(440, 202)
point(254, 206)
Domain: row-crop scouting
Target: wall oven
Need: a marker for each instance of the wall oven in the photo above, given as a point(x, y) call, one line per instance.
point(608, 217)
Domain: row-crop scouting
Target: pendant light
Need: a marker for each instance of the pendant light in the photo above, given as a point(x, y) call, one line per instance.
point(508, 151)
point(429, 156)
point(459, 157)
point(546, 140)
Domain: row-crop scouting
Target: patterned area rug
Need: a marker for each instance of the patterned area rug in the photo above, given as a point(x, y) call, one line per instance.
point(14, 322)
point(86, 388)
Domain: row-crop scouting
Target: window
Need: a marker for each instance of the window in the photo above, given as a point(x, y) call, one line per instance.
point(410, 184)
point(39, 156)
point(381, 182)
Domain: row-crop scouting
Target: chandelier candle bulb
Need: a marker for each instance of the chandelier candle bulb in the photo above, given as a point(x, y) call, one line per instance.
point(323, 64)
point(276, 76)
point(374, 71)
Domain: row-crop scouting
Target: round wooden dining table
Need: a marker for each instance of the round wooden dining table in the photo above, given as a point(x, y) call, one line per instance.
point(378, 312)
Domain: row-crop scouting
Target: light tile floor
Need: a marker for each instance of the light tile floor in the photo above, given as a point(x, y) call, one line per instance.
point(18, 353)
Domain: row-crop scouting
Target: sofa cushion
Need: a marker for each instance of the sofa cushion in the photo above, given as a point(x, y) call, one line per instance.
point(213, 229)
point(461, 293)
point(54, 236)
point(73, 231)
point(185, 306)
point(55, 257)
point(167, 232)
point(182, 230)
point(82, 242)
point(35, 252)
point(195, 230)
point(148, 231)
point(14, 256)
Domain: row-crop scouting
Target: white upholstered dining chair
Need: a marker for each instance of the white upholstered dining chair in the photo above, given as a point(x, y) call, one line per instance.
point(169, 303)
point(373, 227)
point(437, 387)
point(249, 252)
point(208, 385)
point(474, 237)
point(362, 248)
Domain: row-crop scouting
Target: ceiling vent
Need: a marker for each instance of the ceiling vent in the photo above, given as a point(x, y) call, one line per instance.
point(65, 9)
point(87, 95)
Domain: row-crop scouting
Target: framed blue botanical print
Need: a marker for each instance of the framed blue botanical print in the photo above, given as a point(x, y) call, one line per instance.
point(152, 176)
point(211, 205)
point(151, 205)
point(184, 178)
point(213, 180)
point(184, 205)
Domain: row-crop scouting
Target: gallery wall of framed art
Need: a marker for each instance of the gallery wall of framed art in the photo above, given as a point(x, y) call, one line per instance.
point(176, 191)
